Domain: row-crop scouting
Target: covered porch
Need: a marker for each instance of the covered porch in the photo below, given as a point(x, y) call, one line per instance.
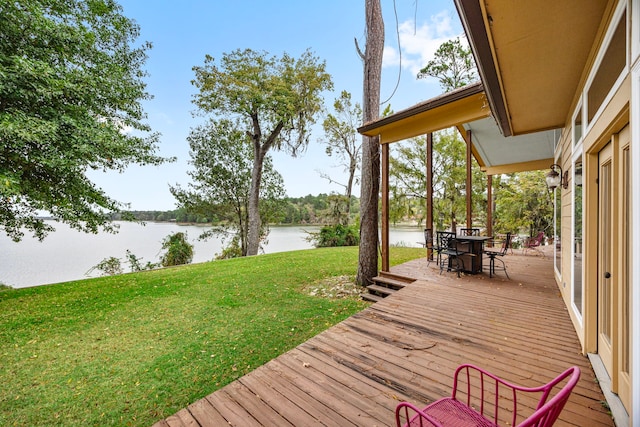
point(406, 347)
point(467, 110)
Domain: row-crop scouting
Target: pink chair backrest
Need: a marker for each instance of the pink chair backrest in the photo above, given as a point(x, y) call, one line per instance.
point(536, 241)
point(549, 410)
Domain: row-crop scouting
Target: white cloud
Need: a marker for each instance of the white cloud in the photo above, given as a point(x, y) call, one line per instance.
point(419, 43)
point(166, 118)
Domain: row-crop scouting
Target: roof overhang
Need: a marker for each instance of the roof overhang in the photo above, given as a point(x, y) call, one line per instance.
point(531, 56)
point(466, 109)
point(452, 109)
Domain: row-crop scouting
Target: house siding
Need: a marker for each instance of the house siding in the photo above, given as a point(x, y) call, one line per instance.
point(621, 108)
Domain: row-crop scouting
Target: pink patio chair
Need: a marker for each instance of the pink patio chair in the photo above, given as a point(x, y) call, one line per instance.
point(480, 398)
point(533, 244)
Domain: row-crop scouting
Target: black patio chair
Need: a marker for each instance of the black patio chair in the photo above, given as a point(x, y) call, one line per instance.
point(447, 246)
point(495, 253)
point(469, 231)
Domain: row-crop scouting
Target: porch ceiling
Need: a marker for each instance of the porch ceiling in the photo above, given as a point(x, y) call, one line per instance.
point(497, 154)
point(531, 56)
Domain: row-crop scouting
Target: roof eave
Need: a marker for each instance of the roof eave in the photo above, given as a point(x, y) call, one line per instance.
point(372, 128)
point(472, 18)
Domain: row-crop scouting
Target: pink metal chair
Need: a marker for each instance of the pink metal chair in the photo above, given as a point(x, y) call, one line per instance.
point(533, 244)
point(480, 398)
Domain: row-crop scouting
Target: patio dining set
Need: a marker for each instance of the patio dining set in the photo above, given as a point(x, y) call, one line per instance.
point(464, 251)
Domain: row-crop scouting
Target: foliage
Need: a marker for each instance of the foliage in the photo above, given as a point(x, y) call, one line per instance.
point(145, 345)
point(232, 250)
point(338, 210)
point(408, 181)
point(308, 209)
point(452, 65)
point(320, 209)
point(523, 204)
point(178, 250)
point(276, 100)
point(111, 266)
point(135, 263)
point(222, 160)
point(108, 267)
point(335, 235)
point(70, 98)
point(342, 139)
point(304, 210)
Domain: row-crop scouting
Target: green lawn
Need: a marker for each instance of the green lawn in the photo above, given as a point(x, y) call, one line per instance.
point(131, 349)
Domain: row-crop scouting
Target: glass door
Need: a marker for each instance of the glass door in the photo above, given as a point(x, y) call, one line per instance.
point(605, 263)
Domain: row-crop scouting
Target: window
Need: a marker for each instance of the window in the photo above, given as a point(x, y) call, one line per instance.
point(557, 223)
point(612, 64)
point(577, 237)
point(625, 323)
point(577, 127)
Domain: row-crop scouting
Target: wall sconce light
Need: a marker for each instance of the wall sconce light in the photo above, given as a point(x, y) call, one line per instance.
point(555, 177)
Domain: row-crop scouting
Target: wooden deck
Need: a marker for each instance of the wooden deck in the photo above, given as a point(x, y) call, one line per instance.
point(406, 348)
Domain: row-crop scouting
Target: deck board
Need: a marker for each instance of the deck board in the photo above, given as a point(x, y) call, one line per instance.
point(406, 347)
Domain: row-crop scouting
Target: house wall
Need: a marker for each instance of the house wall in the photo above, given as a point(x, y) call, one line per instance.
point(635, 211)
point(564, 277)
point(621, 108)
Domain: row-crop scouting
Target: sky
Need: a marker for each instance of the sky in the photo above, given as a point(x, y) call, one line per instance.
point(182, 33)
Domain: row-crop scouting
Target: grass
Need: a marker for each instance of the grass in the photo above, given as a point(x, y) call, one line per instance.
point(135, 348)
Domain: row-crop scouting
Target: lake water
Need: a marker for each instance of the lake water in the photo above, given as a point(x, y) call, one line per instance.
point(67, 254)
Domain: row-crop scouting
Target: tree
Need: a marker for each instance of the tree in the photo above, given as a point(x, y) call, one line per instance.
point(70, 91)
point(523, 204)
point(342, 140)
point(178, 250)
point(407, 165)
point(275, 99)
point(222, 161)
point(452, 65)
point(450, 170)
point(370, 180)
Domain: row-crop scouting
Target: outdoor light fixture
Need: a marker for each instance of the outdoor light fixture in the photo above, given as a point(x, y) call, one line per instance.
point(555, 178)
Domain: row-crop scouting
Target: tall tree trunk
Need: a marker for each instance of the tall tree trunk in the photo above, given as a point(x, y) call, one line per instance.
point(255, 222)
point(370, 186)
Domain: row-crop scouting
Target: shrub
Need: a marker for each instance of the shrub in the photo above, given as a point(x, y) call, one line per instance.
point(135, 263)
point(108, 267)
point(178, 250)
point(232, 250)
point(335, 235)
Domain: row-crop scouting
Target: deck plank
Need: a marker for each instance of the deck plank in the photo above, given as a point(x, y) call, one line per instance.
point(406, 347)
point(206, 414)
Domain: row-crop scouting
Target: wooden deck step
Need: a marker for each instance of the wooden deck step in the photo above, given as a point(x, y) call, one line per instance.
point(389, 282)
point(384, 285)
point(396, 276)
point(371, 297)
point(383, 291)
